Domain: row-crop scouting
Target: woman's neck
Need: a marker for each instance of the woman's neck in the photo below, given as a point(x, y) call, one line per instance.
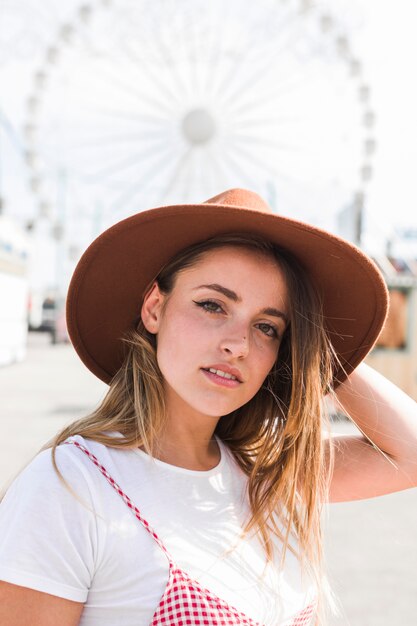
point(188, 447)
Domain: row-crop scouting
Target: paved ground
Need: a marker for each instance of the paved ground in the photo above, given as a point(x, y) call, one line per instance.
point(371, 545)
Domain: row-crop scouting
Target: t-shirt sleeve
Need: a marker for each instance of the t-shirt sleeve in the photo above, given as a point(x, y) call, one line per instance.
point(49, 535)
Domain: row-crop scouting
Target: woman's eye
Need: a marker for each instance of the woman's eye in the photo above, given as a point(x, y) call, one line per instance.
point(213, 307)
point(209, 306)
point(268, 330)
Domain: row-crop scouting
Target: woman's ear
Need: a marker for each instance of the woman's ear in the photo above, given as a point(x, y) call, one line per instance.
point(152, 309)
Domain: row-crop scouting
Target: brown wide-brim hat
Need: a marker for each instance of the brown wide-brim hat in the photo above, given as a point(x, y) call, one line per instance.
point(106, 291)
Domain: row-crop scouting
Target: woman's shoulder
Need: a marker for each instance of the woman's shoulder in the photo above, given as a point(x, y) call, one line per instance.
point(51, 526)
point(40, 478)
point(68, 460)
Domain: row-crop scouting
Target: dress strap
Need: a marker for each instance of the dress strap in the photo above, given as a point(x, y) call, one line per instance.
point(124, 497)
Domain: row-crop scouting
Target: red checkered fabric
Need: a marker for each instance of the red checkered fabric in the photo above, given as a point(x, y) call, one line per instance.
point(185, 602)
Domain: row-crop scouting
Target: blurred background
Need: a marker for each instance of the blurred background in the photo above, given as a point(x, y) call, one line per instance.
point(110, 107)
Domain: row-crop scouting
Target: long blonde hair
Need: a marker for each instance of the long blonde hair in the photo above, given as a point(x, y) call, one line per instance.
point(276, 438)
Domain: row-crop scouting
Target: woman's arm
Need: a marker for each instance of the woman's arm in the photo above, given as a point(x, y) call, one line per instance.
point(20, 606)
point(388, 417)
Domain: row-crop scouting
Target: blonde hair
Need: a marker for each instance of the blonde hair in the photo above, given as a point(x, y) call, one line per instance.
point(276, 438)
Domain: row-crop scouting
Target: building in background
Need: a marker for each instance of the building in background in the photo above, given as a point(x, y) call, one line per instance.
point(395, 354)
point(13, 292)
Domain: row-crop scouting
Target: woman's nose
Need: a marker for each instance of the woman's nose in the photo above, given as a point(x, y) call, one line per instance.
point(236, 346)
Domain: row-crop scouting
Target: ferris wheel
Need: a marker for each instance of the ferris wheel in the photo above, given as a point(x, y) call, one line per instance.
point(141, 103)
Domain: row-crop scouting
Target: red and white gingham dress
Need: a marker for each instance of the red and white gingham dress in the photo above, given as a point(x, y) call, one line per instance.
point(185, 602)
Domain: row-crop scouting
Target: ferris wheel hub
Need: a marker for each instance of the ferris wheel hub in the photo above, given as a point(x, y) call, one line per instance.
point(198, 126)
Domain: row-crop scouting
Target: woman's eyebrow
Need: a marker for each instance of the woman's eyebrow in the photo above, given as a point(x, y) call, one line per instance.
point(232, 295)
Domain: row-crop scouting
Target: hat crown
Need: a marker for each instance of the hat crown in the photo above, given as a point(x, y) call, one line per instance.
point(241, 198)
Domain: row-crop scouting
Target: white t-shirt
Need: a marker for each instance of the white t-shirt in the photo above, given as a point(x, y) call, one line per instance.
point(92, 549)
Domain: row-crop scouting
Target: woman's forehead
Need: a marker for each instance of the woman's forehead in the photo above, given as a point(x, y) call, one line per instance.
point(235, 254)
point(239, 268)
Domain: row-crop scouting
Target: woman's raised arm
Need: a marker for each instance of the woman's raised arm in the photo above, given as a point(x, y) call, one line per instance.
point(388, 417)
point(20, 606)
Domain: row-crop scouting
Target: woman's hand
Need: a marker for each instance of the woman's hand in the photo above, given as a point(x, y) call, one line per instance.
point(20, 606)
point(386, 416)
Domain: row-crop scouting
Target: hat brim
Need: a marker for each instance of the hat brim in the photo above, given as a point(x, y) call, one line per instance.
point(106, 290)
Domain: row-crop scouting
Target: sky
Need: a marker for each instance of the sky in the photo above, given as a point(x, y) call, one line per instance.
point(382, 37)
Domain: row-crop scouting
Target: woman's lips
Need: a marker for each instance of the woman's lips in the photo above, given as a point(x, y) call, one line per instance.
point(225, 368)
point(221, 380)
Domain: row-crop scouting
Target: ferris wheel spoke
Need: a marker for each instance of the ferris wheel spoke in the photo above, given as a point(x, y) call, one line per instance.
point(121, 165)
point(165, 91)
point(206, 61)
point(190, 43)
point(125, 111)
point(231, 85)
point(125, 116)
point(219, 175)
point(281, 91)
point(275, 145)
point(176, 173)
point(166, 55)
point(264, 165)
point(240, 173)
point(111, 140)
point(214, 56)
point(273, 123)
point(224, 80)
point(138, 95)
point(287, 146)
point(196, 179)
point(206, 181)
point(187, 175)
point(248, 84)
point(139, 186)
point(200, 183)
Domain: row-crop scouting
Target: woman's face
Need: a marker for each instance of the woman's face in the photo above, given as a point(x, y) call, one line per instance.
point(227, 312)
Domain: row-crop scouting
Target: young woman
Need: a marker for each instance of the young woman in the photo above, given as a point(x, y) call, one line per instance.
point(192, 494)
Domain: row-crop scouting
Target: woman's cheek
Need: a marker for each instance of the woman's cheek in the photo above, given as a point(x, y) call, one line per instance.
point(267, 348)
point(177, 336)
